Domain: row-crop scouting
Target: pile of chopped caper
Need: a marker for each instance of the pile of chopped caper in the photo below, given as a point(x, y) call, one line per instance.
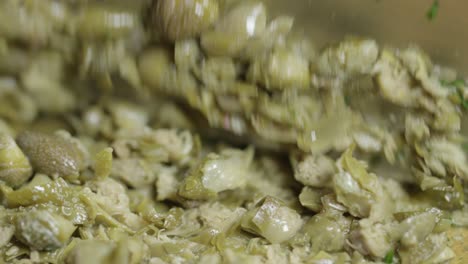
point(206, 131)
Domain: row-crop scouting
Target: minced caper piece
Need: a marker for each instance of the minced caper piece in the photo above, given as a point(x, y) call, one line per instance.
point(351, 57)
point(104, 21)
point(155, 67)
point(42, 230)
point(15, 168)
point(103, 163)
point(179, 19)
point(245, 20)
point(272, 220)
point(281, 69)
point(217, 173)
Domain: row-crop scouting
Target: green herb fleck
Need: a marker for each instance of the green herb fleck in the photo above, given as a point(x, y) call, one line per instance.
point(388, 259)
point(433, 10)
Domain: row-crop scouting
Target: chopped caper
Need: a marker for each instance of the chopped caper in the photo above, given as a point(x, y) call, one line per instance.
point(272, 220)
point(15, 168)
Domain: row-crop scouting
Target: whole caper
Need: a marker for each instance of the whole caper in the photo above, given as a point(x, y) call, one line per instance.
point(179, 19)
point(51, 154)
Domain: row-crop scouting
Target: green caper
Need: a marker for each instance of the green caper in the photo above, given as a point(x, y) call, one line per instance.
point(15, 168)
point(216, 71)
point(155, 67)
point(51, 154)
point(327, 231)
point(280, 70)
point(179, 19)
point(218, 43)
point(42, 230)
point(243, 21)
point(103, 163)
point(272, 220)
point(246, 19)
point(187, 53)
point(351, 57)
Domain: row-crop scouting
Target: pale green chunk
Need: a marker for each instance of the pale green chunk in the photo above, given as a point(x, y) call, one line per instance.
point(272, 220)
point(15, 168)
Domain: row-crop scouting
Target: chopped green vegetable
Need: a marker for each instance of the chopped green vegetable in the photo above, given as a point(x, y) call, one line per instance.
point(15, 168)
